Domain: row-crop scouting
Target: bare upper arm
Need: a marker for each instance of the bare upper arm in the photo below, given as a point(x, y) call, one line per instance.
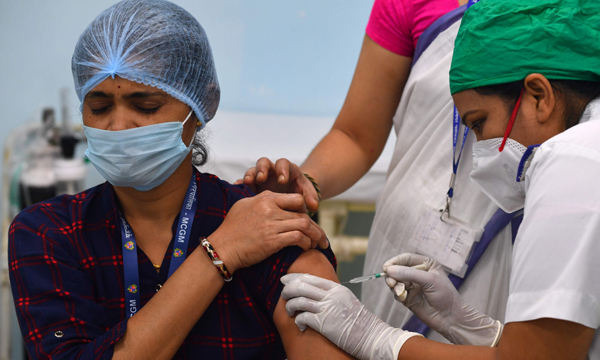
point(545, 338)
point(308, 344)
point(373, 96)
point(548, 339)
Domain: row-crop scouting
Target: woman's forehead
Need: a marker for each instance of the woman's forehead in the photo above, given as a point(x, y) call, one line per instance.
point(119, 85)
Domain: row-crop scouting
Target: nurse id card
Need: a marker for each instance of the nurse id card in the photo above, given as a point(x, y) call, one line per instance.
point(447, 240)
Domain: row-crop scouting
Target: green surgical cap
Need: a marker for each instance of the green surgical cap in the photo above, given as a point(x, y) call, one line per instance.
point(501, 41)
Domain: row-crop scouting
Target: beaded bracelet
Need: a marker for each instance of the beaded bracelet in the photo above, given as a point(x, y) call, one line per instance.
point(216, 260)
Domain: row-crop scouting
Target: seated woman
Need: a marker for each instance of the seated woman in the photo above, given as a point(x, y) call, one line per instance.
point(161, 261)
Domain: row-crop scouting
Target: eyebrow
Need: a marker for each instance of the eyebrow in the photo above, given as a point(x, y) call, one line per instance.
point(144, 94)
point(135, 95)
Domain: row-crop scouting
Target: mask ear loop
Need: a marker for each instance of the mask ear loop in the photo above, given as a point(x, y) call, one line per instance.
point(187, 117)
point(511, 121)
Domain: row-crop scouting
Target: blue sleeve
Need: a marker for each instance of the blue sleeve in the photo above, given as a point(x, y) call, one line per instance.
point(53, 296)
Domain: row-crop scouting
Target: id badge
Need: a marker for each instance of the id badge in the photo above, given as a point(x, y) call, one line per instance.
point(447, 240)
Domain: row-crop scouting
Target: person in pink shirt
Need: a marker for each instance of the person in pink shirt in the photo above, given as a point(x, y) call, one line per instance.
point(396, 25)
point(399, 85)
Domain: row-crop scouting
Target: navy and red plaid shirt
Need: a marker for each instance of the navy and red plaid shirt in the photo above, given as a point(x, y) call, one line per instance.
point(66, 272)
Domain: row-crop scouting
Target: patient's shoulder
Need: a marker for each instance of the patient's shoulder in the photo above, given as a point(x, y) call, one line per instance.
point(263, 278)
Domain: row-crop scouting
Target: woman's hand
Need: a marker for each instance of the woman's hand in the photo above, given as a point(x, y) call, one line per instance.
point(282, 177)
point(332, 310)
point(258, 227)
point(421, 284)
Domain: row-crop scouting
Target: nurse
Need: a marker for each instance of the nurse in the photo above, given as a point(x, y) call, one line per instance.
point(525, 78)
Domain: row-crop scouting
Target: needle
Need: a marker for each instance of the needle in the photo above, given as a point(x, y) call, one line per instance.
point(364, 278)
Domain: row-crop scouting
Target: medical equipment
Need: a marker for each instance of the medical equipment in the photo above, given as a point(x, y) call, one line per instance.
point(361, 279)
point(364, 278)
point(40, 161)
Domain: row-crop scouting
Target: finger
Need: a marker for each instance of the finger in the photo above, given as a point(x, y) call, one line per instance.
point(407, 274)
point(287, 278)
point(315, 281)
point(307, 319)
point(299, 288)
point(390, 282)
point(293, 238)
point(250, 176)
point(238, 182)
point(304, 224)
point(308, 191)
point(324, 242)
point(263, 166)
point(400, 292)
point(302, 304)
point(282, 169)
point(407, 259)
point(291, 202)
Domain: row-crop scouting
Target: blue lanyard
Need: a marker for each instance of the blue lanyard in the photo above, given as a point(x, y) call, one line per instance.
point(455, 158)
point(130, 264)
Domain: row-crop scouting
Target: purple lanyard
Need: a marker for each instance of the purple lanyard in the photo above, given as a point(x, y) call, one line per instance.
point(130, 262)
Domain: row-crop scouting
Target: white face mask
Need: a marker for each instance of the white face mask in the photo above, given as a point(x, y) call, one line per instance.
point(496, 172)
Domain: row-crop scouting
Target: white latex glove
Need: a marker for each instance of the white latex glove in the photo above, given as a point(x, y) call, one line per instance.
point(423, 286)
point(332, 310)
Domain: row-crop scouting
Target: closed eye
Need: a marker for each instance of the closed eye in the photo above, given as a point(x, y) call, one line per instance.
point(147, 110)
point(477, 125)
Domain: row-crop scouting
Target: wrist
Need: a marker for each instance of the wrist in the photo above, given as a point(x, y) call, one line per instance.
point(387, 341)
point(481, 330)
point(228, 257)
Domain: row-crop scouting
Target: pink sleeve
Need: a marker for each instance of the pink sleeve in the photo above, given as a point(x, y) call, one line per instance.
point(397, 24)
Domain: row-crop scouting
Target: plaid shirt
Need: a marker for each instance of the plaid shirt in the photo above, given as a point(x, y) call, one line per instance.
point(66, 272)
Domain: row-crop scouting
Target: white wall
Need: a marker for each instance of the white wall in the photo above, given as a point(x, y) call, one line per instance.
point(272, 56)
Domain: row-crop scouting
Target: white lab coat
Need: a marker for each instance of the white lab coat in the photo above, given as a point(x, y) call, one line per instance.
point(418, 179)
point(556, 258)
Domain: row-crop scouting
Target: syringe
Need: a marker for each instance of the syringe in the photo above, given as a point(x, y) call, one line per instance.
point(364, 278)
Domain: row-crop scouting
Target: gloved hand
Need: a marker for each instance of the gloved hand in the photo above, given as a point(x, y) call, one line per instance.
point(332, 310)
point(423, 286)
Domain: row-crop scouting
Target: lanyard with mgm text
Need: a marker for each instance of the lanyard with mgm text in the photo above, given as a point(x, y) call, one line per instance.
point(180, 247)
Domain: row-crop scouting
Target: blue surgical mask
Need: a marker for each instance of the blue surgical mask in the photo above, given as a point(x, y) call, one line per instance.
point(141, 158)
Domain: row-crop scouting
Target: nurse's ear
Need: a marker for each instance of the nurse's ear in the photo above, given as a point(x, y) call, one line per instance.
point(541, 95)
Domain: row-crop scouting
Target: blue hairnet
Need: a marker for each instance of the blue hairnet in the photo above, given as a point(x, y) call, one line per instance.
point(152, 42)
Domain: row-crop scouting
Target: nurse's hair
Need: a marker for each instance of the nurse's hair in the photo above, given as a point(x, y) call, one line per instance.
point(155, 43)
point(576, 93)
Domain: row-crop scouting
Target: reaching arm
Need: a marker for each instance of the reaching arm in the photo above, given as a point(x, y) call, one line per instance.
point(317, 301)
point(357, 137)
point(307, 344)
point(363, 125)
point(546, 339)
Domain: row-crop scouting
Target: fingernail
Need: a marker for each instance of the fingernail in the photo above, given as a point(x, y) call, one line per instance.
point(247, 177)
point(281, 178)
